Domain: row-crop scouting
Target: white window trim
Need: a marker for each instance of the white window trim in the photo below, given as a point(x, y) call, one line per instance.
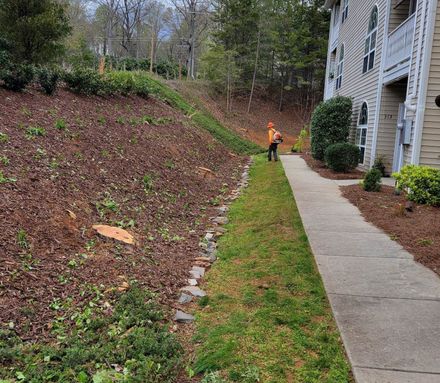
point(340, 67)
point(359, 130)
point(344, 13)
point(367, 55)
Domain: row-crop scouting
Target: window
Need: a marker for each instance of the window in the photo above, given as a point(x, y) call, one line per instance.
point(340, 68)
point(370, 41)
point(344, 10)
point(361, 131)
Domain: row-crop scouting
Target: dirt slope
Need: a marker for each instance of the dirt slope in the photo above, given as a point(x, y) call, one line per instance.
point(252, 126)
point(119, 161)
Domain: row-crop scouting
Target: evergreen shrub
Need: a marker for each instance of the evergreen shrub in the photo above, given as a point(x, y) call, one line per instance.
point(342, 157)
point(331, 121)
point(16, 77)
point(421, 182)
point(372, 180)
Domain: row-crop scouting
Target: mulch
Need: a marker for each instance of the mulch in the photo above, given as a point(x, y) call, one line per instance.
point(418, 231)
point(320, 168)
point(103, 154)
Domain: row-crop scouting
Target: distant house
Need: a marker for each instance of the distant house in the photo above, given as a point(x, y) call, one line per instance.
point(385, 54)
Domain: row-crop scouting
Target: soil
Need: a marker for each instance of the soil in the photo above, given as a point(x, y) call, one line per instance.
point(418, 231)
point(106, 167)
point(320, 168)
point(252, 126)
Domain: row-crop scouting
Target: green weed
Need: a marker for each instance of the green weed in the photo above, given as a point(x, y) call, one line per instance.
point(22, 240)
point(60, 124)
point(147, 182)
point(35, 131)
point(170, 164)
point(102, 120)
point(4, 160)
point(106, 205)
point(5, 180)
point(4, 137)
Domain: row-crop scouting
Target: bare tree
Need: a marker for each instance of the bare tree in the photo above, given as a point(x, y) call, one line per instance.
point(194, 13)
point(110, 9)
point(131, 14)
point(159, 17)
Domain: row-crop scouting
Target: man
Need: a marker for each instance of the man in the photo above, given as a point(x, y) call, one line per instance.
point(273, 146)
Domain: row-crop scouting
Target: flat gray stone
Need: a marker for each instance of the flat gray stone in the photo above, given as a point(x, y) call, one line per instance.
point(183, 317)
point(209, 236)
point(195, 274)
point(366, 276)
point(200, 270)
point(381, 333)
point(221, 220)
point(192, 282)
point(184, 299)
point(194, 290)
point(369, 375)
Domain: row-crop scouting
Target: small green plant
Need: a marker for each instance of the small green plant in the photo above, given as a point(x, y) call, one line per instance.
point(342, 157)
point(421, 182)
point(213, 377)
point(48, 80)
point(170, 164)
point(26, 112)
point(120, 120)
point(379, 164)
point(54, 164)
point(102, 120)
point(4, 160)
point(22, 240)
point(147, 182)
point(372, 180)
point(5, 180)
point(35, 131)
point(106, 205)
point(61, 124)
point(4, 137)
point(425, 242)
point(299, 144)
point(105, 153)
point(40, 154)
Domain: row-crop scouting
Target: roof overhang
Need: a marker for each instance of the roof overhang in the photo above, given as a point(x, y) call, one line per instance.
point(329, 4)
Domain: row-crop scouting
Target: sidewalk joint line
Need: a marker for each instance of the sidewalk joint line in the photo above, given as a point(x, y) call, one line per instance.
point(397, 370)
point(384, 297)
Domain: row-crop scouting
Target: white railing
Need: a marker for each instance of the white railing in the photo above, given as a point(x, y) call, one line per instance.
point(400, 43)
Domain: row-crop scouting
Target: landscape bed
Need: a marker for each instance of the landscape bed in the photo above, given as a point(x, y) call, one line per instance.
point(418, 230)
point(267, 317)
point(320, 168)
point(68, 162)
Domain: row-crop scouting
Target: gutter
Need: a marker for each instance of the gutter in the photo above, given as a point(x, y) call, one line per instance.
point(381, 85)
point(426, 63)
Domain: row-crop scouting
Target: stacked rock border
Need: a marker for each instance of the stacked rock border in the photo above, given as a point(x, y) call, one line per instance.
point(208, 251)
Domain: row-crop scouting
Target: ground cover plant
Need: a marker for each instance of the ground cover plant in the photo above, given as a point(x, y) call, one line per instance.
point(415, 227)
point(267, 318)
point(123, 342)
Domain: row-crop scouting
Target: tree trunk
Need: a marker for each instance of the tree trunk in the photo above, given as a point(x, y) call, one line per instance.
point(257, 56)
point(152, 51)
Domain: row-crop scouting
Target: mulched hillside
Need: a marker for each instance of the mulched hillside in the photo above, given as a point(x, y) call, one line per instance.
point(69, 162)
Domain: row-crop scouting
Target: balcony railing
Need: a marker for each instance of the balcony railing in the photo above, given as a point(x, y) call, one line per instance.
point(400, 43)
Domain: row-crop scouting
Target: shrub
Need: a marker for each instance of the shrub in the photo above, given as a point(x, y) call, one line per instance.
point(86, 81)
point(48, 80)
point(342, 157)
point(372, 180)
point(16, 77)
point(121, 82)
point(299, 144)
point(422, 183)
point(331, 122)
point(379, 164)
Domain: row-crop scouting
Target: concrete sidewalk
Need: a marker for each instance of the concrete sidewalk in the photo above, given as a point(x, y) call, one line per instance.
point(387, 306)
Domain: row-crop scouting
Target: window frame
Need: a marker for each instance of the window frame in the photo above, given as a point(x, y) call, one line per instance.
point(371, 42)
point(362, 131)
point(344, 14)
point(340, 67)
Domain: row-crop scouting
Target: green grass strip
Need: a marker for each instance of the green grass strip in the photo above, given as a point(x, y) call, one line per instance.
point(203, 119)
point(268, 318)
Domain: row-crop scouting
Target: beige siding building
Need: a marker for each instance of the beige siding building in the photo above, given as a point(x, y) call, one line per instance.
point(385, 55)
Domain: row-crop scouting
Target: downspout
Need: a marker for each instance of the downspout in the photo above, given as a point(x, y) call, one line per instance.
point(421, 102)
point(327, 69)
point(408, 102)
point(379, 91)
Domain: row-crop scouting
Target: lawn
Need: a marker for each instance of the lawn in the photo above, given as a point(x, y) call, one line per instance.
point(268, 318)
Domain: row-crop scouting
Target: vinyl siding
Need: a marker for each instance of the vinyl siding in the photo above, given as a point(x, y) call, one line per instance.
point(392, 96)
point(355, 84)
point(430, 150)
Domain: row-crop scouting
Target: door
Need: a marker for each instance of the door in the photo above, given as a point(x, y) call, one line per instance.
point(398, 149)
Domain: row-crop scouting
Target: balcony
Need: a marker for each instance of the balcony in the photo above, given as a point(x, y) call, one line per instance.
point(399, 51)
